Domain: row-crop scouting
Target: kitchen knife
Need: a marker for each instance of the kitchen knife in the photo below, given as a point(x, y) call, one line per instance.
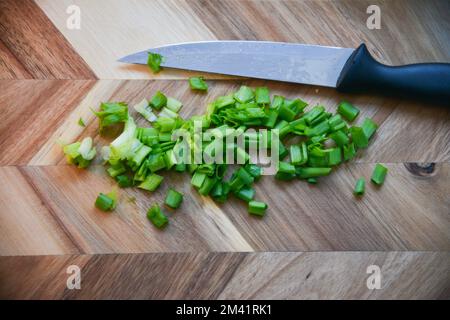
point(348, 70)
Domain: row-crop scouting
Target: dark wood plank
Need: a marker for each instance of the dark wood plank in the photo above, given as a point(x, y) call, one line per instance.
point(314, 275)
point(422, 33)
point(37, 44)
point(10, 67)
point(31, 111)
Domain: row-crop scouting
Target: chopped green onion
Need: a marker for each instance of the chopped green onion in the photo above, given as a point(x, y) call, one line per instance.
point(124, 181)
point(245, 176)
point(167, 113)
point(336, 123)
point(295, 152)
point(358, 137)
point(81, 122)
point(220, 191)
point(116, 170)
point(257, 208)
point(282, 151)
point(349, 151)
point(321, 128)
point(151, 183)
point(334, 156)
point(80, 153)
point(181, 167)
point(157, 217)
point(197, 179)
point(299, 154)
point(369, 127)
point(207, 185)
point(244, 94)
point(154, 61)
point(112, 113)
point(359, 187)
point(379, 174)
point(173, 199)
point(295, 105)
point(156, 162)
point(173, 104)
point(313, 114)
point(262, 95)
point(197, 83)
point(254, 170)
point(347, 110)
point(286, 167)
point(308, 172)
point(340, 138)
point(159, 100)
point(286, 113)
point(106, 202)
point(277, 102)
point(144, 109)
point(224, 101)
point(272, 116)
point(165, 124)
point(284, 176)
point(138, 152)
point(246, 193)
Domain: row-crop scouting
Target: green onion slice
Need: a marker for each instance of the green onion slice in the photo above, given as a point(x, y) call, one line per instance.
point(379, 174)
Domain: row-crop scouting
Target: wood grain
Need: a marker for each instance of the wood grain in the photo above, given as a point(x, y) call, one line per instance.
point(402, 215)
point(31, 111)
point(396, 217)
point(33, 46)
point(421, 35)
point(409, 132)
point(313, 275)
point(46, 206)
point(26, 223)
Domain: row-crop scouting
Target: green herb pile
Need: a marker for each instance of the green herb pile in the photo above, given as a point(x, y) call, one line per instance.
point(312, 142)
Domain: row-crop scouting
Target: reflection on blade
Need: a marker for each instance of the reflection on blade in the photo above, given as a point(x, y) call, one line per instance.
point(290, 62)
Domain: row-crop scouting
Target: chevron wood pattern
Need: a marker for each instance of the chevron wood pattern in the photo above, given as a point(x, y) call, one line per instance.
point(32, 47)
point(107, 34)
point(402, 215)
point(47, 221)
point(289, 275)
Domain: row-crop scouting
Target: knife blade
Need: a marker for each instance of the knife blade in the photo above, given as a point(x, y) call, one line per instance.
point(289, 62)
point(347, 69)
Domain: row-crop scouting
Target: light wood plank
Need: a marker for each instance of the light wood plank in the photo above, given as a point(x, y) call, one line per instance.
point(109, 33)
point(313, 275)
point(125, 28)
point(398, 216)
point(27, 225)
point(70, 193)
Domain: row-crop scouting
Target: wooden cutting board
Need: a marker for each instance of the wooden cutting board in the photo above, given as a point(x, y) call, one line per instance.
point(410, 211)
point(46, 206)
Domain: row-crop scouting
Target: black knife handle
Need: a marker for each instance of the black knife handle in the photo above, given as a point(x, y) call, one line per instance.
point(425, 81)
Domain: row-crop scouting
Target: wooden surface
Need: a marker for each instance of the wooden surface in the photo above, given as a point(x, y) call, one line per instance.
point(290, 275)
point(402, 215)
point(107, 34)
point(32, 47)
point(48, 81)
